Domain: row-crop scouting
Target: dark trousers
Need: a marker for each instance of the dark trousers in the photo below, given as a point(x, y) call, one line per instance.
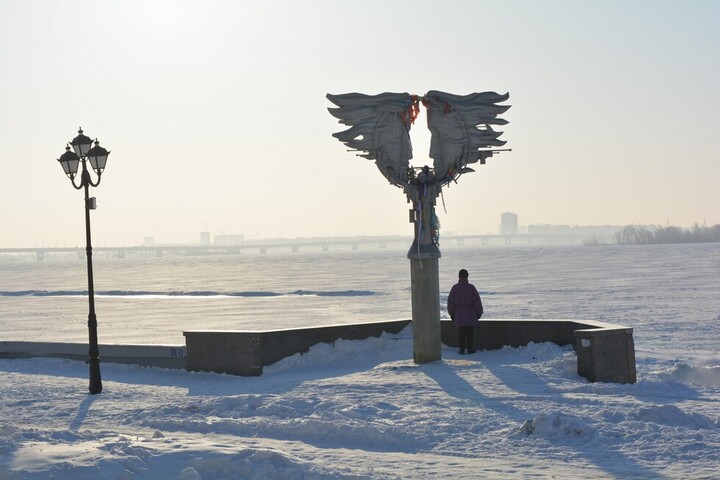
point(466, 335)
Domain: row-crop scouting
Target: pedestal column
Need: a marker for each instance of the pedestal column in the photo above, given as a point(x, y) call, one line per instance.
point(425, 290)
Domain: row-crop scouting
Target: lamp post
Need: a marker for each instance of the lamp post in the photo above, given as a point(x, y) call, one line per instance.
point(70, 161)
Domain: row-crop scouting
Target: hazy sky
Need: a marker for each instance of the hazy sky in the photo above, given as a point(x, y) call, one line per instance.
point(216, 116)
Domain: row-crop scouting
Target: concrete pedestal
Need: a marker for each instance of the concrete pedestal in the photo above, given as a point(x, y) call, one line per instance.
point(606, 355)
point(425, 290)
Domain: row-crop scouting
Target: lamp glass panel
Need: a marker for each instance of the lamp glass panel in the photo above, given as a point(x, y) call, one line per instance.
point(73, 166)
point(81, 149)
point(98, 162)
point(70, 166)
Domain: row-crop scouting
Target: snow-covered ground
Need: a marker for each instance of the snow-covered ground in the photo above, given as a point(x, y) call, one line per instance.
point(362, 409)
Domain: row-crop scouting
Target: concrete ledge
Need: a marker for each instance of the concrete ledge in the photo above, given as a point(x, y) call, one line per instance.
point(166, 356)
point(492, 334)
point(605, 352)
point(247, 352)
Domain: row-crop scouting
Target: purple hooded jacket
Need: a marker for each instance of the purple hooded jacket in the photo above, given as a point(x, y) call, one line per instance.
point(464, 304)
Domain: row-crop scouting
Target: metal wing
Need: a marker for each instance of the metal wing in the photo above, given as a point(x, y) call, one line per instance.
point(461, 127)
point(379, 129)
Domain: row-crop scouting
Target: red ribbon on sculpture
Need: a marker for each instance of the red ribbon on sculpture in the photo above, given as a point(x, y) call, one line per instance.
point(412, 111)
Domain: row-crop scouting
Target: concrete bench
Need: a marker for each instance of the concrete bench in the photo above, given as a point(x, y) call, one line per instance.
point(605, 352)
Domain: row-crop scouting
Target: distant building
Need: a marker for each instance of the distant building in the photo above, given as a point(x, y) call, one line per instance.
point(204, 238)
point(229, 240)
point(149, 241)
point(508, 224)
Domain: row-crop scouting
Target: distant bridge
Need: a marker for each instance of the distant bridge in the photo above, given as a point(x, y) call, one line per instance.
point(262, 247)
point(295, 245)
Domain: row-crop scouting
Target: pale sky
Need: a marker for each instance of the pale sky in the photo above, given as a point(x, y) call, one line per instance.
point(216, 116)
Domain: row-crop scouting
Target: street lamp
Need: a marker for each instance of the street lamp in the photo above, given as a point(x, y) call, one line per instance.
point(70, 161)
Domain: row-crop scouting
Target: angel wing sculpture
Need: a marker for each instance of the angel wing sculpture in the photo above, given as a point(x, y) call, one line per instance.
point(379, 129)
point(461, 128)
point(462, 133)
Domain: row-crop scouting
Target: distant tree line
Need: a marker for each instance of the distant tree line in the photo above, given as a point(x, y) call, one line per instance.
point(632, 235)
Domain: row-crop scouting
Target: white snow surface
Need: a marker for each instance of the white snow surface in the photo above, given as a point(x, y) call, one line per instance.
point(362, 410)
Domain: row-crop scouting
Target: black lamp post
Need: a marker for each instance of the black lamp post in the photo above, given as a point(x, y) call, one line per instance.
point(70, 162)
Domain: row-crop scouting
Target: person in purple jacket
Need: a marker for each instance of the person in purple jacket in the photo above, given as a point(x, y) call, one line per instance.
point(465, 309)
